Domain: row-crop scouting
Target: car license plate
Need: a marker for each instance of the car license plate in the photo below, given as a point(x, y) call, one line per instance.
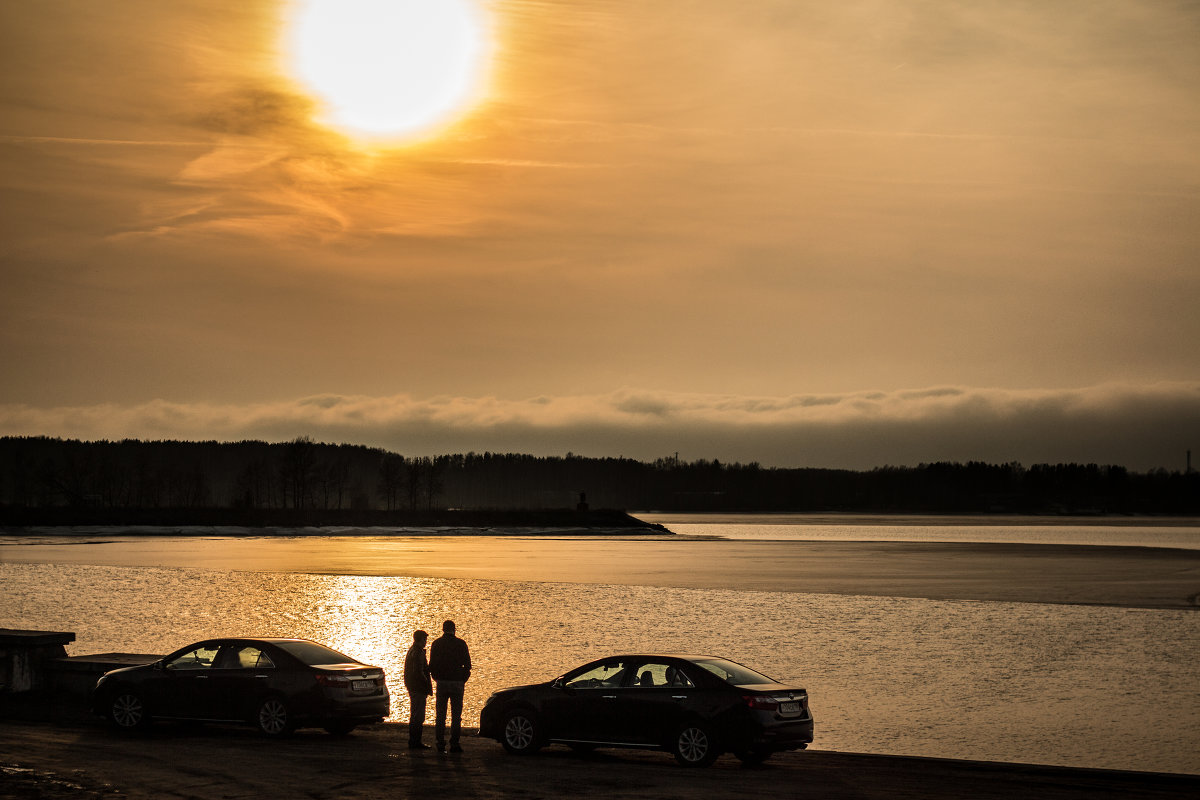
point(358, 686)
point(789, 708)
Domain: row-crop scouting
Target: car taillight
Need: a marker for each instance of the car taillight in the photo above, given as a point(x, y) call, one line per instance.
point(760, 703)
point(332, 681)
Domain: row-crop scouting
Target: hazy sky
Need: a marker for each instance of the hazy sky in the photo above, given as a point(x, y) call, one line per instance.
point(793, 231)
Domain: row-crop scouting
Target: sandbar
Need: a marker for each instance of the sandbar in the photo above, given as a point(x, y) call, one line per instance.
point(1140, 577)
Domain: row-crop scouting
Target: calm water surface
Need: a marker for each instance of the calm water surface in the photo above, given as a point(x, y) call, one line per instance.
point(1055, 684)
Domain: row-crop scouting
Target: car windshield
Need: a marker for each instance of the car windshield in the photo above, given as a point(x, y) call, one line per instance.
point(313, 654)
point(606, 675)
point(731, 673)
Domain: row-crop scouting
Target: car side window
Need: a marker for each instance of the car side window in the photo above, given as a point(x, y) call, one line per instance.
point(253, 658)
point(606, 675)
point(200, 658)
point(654, 674)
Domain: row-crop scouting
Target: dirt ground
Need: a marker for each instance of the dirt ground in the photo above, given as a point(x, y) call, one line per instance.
point(79, 758)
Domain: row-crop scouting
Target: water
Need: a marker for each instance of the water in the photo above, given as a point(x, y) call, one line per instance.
point(1055, 684)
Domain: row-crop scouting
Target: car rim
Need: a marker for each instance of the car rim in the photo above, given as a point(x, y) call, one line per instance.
point(693, 744)
point(127, 711)
point(272, 717)
point(519, 732)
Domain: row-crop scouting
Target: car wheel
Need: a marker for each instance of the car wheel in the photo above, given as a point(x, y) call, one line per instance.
point(127, 712)
point(339, 728)
point(752, 758)
point(694, 745)
point(520, 733)
point(274, 718)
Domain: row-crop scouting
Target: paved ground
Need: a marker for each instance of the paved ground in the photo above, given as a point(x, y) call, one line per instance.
point(81, 759)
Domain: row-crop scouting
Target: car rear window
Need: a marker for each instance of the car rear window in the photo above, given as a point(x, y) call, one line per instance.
point(312, 654)
point(732, 673)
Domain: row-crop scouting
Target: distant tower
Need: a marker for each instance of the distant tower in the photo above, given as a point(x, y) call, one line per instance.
point(1189, 463)
point(583, 503)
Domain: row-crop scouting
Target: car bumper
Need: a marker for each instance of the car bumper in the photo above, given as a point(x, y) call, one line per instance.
point(490, 723)
point(358, 709)
point(791, 735)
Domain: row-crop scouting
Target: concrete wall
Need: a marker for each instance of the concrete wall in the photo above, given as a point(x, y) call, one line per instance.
point(25, 657)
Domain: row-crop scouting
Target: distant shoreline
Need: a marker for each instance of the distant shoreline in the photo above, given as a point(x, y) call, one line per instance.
point(261, 521)
point(273, 531)
point(344, 522)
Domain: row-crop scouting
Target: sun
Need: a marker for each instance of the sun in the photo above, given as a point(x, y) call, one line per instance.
point(389, 69)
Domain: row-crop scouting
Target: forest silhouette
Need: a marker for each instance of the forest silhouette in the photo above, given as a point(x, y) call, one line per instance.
point(47, 480)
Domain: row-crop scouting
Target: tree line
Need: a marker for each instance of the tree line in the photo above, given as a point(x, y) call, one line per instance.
point(303, 475)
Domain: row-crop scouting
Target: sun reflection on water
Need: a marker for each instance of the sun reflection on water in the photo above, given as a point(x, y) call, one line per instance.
point(373, 621)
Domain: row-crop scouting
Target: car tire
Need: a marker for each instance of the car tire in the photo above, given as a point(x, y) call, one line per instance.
point(694, 745)
point(520, 734)
point(127, 712)
point(273, 717)
point(340, 728)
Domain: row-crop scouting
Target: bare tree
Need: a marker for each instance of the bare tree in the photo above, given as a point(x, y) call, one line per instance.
point(297, 471)
point(391, 479)
point(432, 473)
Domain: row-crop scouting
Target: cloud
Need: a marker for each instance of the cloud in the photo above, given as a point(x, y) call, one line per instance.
point(706, 197)
point(1142, 427)
point(258, 111)
point(112, 142)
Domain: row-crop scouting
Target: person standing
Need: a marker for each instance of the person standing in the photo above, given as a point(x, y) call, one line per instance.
point(450, 666)
point(416, 681)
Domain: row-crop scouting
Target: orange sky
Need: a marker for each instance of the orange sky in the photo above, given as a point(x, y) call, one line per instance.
point(804, 233)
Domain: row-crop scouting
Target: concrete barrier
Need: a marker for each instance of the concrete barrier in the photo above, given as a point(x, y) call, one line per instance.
point(76, 675)
point(37, 662)
point(24, 656)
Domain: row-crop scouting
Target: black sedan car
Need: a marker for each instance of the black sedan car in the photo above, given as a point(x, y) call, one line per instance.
point(696, 707)
point(277, 685)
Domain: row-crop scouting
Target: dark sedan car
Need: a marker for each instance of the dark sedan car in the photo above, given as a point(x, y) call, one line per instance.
point(696, 707)
point(277, 685)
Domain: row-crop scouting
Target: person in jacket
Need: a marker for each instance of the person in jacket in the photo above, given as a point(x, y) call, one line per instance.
point(416, 681)
point(450, 666)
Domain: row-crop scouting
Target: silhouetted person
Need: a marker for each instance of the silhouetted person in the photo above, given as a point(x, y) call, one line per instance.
point(416, 681)
point(450, 666)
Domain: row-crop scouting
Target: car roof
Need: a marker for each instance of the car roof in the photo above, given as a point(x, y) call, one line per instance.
point(276, 640)
point(678, 656)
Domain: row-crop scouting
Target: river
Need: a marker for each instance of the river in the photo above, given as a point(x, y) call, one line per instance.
point(1078, 685)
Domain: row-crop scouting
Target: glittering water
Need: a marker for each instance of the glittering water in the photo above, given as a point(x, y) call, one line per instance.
point(1055, 684)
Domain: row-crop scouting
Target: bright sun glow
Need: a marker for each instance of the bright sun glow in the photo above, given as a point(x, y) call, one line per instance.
point(390, 68)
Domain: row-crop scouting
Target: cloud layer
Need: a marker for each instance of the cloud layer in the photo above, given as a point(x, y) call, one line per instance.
point(754, 212)
point(1141, 427)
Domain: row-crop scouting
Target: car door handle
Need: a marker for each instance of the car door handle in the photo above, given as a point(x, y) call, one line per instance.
point(201, 677)
point(608, 697)
point(679, 697)
point(262, 677)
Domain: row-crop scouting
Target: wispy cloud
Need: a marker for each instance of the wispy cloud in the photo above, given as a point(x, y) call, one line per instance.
point(1143, 427)
point(103, 142)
